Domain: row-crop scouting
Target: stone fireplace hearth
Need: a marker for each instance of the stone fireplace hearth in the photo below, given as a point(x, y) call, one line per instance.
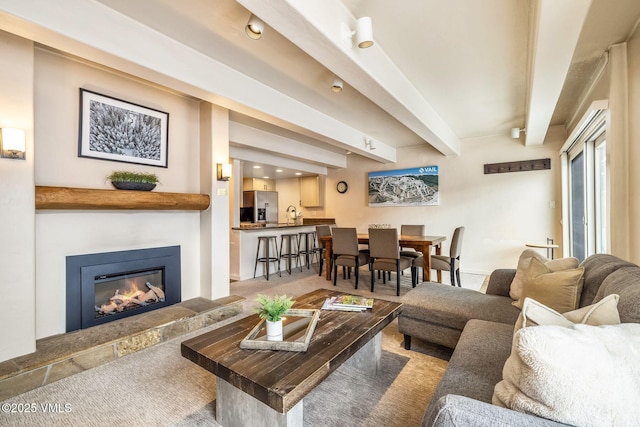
point(62, 355)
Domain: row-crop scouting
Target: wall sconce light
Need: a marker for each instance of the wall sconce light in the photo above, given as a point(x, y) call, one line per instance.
point(337, 85)
point(369, 144)
point(254, 28)
point(515, 132)
point(364, 33)
point(12, 143)
point(224, 171)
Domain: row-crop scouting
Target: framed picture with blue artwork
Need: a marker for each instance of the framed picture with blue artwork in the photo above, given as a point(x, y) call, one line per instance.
point(404, 187)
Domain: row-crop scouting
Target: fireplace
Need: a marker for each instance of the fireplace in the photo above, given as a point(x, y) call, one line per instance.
point(104, 287)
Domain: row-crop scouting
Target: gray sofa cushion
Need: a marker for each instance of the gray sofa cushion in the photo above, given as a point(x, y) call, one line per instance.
point(476, 365)
point(596, 268)
point(626, 283)
point(453, 306)
point(452, 411)
point(500, 281)
point(430, 332)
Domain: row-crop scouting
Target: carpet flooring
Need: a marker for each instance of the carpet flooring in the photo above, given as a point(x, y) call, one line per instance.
point(158, 387)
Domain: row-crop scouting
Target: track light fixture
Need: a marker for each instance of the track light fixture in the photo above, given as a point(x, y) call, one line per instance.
point(254, 28)
point(364, 33)
point(368, 143)
point(337, 85)
point(515, 132)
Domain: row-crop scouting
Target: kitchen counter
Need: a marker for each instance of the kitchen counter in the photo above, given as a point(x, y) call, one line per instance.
point(318, 221)
point(262, 227)
point(244, 245)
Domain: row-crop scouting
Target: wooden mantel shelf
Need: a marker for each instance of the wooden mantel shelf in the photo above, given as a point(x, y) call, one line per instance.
point(89, 199)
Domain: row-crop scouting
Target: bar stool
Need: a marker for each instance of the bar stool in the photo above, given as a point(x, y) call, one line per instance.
point(267, 259)
point(309, 239)
point(291, 244)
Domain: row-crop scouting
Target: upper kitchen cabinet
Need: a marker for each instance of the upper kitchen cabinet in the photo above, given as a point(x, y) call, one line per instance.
point(311, 191)
point(258, 184)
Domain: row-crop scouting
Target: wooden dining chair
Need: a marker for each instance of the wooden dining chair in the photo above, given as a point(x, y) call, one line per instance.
point(417, 257)
point(321, 231)
point(451, 263)
point(346, 252)
point(385, 254)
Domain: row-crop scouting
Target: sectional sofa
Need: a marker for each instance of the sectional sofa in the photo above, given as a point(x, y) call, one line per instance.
point(480, 329)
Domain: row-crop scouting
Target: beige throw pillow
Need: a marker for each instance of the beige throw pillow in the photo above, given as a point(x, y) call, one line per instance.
point(559, 290)
point(515, 291)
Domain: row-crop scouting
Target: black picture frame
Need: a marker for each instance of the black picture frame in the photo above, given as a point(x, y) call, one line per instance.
point(120, 131)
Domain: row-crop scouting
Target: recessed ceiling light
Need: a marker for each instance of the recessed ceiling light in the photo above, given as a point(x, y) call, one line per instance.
point(298, 173)
point(278, 170)
point(265, 177)
point(254, 28)
point(337, 85)
point(257, 167)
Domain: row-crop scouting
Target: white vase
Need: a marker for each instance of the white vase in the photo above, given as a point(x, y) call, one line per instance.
point(274, 330)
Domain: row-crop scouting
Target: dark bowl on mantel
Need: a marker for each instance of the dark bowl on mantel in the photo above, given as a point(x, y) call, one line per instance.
point(139, 186)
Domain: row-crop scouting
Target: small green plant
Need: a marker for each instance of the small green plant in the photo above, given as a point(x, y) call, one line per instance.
point(272, 308)
point(142, 177)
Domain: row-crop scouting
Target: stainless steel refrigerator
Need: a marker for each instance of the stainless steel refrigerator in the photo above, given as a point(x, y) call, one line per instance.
point(264, 204)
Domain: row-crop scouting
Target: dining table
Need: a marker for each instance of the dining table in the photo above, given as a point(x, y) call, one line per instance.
point(419, 243)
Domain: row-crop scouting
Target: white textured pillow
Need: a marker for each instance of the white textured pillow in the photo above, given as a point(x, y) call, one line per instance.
point(534, 313)
point(581, 375)
point(517, 284)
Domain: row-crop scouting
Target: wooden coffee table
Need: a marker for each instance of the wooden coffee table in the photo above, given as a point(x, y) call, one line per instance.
point(266, 387)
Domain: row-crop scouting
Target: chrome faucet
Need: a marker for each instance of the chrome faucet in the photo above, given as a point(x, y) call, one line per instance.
point(291, 209)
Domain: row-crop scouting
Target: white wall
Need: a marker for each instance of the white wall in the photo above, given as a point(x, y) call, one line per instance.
point(214, 222)
point(501, 212)
point(17, 264)
point(64, 233)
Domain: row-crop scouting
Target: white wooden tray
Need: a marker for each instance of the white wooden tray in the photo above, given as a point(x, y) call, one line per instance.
point(297, 327)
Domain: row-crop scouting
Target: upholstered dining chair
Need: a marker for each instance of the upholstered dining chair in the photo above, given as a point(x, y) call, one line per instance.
point(385, 254)
point(346, 252)
point(451, 263)
point(321, 231)
point(417, 258)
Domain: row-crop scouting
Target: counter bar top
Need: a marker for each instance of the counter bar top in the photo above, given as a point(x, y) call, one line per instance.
point(257, 227)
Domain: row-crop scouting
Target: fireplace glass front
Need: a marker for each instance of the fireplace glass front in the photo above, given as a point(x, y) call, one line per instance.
point(115, 293)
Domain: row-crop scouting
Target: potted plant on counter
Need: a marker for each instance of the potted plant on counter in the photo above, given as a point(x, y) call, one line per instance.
point(142, 181)
point(272, 309)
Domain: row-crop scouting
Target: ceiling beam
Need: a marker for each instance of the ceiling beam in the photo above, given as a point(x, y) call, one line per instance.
point(318, 28)
point(93, 31)
point(256, 138)
point(556, 27)
point(250, 155)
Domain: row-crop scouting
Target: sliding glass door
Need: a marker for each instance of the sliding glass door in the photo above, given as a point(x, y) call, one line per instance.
point(578, 209)
point(601, 197)
point(585, 189)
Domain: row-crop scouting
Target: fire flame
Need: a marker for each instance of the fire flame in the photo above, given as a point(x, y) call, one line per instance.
point(132, 286)
point(134, 294)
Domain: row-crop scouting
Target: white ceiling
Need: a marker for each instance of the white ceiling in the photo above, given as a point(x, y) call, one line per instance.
point(440, 71)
